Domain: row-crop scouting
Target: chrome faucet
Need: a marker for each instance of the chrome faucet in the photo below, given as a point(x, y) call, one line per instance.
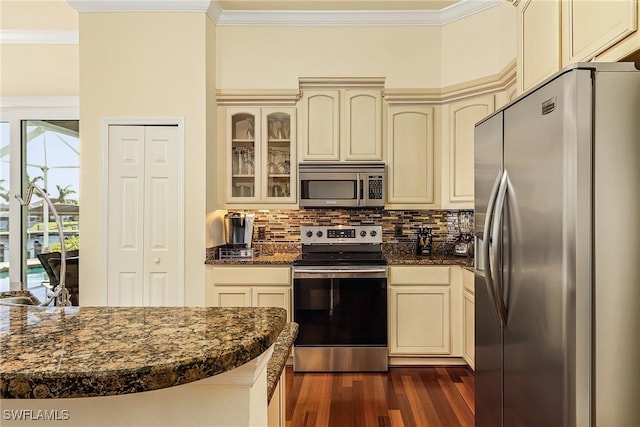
point(60, 292)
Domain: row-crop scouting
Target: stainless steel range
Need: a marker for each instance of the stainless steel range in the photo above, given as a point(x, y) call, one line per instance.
point(340, 300)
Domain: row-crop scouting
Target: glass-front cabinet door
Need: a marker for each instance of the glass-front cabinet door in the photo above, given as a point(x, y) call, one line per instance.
point(244, 125)
point(261, 157)
point(279, 165)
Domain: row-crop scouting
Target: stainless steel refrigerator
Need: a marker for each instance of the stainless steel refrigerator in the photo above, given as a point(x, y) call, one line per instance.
point(557, 205)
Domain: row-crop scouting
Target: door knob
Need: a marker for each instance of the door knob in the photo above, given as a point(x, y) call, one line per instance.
point(156, 260)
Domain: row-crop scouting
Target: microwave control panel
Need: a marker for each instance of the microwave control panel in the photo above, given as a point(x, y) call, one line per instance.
point(375, 187)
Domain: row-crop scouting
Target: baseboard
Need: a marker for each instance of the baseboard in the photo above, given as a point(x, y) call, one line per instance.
point(426, 361)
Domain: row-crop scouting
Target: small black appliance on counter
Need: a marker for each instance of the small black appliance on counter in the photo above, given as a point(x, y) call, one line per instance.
point(425, 241)
point(464, 244)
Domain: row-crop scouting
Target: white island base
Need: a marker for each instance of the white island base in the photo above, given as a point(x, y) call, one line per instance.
point(233, 398)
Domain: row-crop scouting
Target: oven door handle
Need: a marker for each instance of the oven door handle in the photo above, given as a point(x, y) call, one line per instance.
point(342, 270)
point(327, 273)
point(358, 189)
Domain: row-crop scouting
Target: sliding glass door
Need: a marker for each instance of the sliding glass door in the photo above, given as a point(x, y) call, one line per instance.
point(44, 152)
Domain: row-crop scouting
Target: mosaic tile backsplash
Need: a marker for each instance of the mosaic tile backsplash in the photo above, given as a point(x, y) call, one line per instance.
point(283, 226)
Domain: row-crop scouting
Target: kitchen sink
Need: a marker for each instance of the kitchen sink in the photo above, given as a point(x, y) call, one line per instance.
point(17, 301)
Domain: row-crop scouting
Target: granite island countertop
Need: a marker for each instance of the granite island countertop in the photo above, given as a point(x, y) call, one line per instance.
point(54, 352)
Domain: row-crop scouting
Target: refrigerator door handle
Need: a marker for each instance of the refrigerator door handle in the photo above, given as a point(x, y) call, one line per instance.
point(487, 243)
point(496, 243)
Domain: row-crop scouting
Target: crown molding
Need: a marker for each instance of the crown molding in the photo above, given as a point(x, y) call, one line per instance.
point(497, 82)
point(502, 80)
point(39, 37)
point(279, 97)
point(353, 18)
point(140, 5)
point(340, 82)
point(292, 18)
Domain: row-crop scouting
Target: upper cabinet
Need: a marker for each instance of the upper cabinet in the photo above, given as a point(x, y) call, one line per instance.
point(538, 41)
point(361, 124)
point(257, 144)
point(320, 125)
point(591, 28)
point(341, 120)
point(459, 119)
point(260, 155)
point(553, 34)
point(411, 155)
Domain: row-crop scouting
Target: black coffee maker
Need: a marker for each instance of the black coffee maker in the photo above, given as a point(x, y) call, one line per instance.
point(425, 241)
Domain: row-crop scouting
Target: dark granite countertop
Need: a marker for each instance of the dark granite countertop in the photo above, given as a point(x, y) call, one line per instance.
point(436, 259)
point(286, 259)
point(280, 355)
point(54, 352)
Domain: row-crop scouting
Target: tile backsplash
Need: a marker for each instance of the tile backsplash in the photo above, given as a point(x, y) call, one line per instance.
point(283, 226)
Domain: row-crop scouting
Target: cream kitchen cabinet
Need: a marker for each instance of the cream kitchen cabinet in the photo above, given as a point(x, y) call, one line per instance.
point(539, 44)
point(260, 156)
point(339, 124)
point(553, 34)
point(412, 170)
point(468, 318)
point(420, 311)
point(459, 119)
point(249, 286)
point(604, 30)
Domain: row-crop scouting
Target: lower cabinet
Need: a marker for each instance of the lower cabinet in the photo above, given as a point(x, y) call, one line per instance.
point(249, 286)
point(420, 320)
point(423, 308)
point(468, 318)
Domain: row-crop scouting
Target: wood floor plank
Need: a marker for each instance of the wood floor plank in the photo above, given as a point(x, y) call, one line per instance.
point(396, 418)
point(458, 405)
point(425, 396)
point(422, 408)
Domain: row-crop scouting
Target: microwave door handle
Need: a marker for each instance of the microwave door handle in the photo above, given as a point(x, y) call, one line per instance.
point(358, 189)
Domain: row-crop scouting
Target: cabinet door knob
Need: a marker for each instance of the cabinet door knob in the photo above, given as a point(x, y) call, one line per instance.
point(156, 260)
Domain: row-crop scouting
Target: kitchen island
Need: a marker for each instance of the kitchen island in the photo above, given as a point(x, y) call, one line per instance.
point(156, 366)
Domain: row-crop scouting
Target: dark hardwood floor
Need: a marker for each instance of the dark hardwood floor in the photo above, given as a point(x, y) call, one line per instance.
point(425, 396)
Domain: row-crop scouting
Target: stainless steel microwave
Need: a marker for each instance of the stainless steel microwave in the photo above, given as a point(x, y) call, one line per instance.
point(344, 184)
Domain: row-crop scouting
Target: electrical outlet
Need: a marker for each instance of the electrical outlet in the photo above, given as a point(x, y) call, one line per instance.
point(262, 232)
point(398, 230)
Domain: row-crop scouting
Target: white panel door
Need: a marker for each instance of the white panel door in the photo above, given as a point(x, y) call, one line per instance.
point(126, 201)
point(143, 243)
point(161, 216)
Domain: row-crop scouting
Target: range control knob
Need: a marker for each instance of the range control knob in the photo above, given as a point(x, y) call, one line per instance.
point(363, 233)
point(319, 233)
point(373, 233)
point(309, 233)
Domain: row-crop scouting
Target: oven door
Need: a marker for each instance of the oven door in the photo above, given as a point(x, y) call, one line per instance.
point(342, 318)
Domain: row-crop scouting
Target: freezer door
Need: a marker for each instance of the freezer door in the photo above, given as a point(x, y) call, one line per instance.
point(541, 139)
point(488, 332)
